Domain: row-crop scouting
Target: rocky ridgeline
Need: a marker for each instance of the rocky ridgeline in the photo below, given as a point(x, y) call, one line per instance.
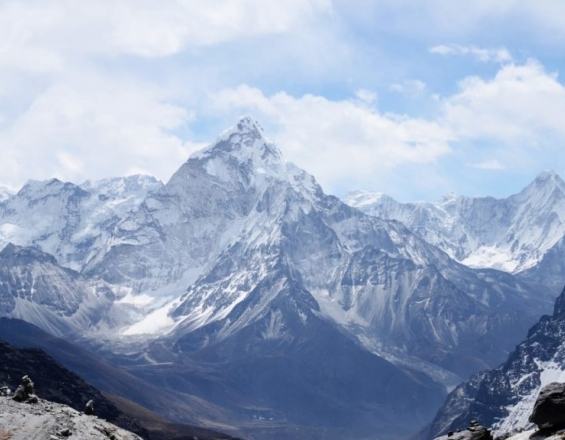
point(548, 415)
point(25, 416)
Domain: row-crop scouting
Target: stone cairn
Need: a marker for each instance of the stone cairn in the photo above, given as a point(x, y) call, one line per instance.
point(25, 391)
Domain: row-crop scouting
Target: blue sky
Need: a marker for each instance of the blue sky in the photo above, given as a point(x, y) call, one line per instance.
point(411, 98)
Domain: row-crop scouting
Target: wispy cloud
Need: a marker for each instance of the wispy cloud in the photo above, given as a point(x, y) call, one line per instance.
point(497, 55)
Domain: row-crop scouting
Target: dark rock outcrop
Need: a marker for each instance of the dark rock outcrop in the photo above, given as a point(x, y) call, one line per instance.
point(549, 410)
point(488, 395)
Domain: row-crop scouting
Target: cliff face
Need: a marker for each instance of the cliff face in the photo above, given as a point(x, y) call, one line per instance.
point(504, 397)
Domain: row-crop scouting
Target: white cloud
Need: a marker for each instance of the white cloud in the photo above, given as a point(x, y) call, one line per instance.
point(92, 128)
point(498, 55)
point(513, 118)
point(337, 140)
point(522, 104)
point(42, 34)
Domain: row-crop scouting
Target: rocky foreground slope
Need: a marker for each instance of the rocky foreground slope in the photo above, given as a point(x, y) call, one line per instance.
point(47, 420)
point(57, 385)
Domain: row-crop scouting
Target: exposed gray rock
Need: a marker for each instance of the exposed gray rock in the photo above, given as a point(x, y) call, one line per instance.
point(549, 410)
point(5, 391)
point(48, 420)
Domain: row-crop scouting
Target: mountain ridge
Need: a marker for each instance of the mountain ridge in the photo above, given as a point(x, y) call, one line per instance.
point(511, 234)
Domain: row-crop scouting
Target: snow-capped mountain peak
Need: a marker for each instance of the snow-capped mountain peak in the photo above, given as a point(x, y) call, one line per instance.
point(246, 124)
point(548, 175)
point(544, 187)
point(244, 141)
point(38, 189)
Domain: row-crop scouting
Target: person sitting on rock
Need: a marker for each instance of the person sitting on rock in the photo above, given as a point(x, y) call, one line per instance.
point(89, 408)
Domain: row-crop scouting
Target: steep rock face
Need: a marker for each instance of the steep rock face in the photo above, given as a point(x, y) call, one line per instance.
point(281, 363)
point(550, 269)
point(181, 229)
point(511, 234)
point(34, 287)
point(505, 397)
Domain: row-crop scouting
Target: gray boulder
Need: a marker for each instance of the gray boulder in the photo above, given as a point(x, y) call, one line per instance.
point(549, 409)
point(5, 391)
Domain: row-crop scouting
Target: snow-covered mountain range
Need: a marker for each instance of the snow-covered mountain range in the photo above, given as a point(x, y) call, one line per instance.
point(512, 234)
point(240, 281)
